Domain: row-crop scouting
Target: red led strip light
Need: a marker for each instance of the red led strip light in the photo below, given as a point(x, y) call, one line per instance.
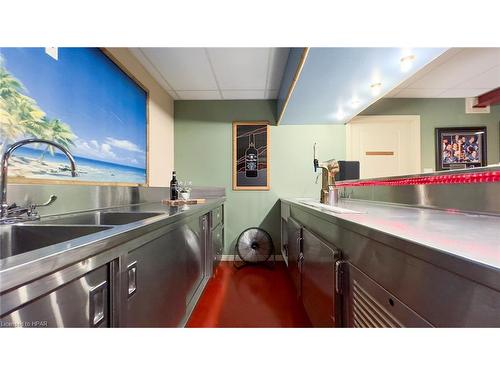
point(468, 178)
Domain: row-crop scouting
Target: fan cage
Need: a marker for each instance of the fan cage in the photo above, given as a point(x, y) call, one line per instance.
point(254, 245)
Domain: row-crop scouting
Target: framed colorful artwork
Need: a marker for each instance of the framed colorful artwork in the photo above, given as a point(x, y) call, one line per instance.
point(458, 148)
point(251, 155)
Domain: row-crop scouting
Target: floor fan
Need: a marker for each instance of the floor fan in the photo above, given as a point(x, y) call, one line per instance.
point(254, 246)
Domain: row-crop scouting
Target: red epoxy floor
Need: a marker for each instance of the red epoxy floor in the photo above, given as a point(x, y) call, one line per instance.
point(249, 297)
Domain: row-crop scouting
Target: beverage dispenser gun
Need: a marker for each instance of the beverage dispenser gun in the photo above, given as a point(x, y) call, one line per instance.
point(329, 168)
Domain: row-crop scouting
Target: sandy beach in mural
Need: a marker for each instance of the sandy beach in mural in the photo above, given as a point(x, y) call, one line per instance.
point(88, 170)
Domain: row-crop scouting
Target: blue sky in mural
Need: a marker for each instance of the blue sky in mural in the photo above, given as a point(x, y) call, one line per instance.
point(83, 88)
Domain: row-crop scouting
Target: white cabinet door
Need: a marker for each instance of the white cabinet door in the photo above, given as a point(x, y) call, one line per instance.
point(385, 145)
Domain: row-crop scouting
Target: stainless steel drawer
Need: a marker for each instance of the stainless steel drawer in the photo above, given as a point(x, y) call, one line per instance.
point(217, 217)
point(83, 302)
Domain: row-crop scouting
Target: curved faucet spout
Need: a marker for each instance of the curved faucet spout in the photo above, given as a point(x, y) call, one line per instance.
point(5, 167)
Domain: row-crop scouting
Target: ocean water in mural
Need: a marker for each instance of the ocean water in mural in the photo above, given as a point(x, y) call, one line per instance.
point(77, 98)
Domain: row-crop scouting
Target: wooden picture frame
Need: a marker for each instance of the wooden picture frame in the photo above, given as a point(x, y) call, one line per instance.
point(251, 157)
point(143, 149)
point(461, 147)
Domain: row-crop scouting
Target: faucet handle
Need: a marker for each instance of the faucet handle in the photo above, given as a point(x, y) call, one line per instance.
point(32, 208)
point(51, 200)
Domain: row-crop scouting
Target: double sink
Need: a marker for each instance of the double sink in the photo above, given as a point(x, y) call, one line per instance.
point(21, 238)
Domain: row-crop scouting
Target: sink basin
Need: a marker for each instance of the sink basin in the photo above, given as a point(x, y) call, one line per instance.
point(335, 209)
point(18, 239)
point(102, 218)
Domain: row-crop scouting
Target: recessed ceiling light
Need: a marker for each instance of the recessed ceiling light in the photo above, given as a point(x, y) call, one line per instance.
point(407, 62)
point(340, 114)
point(376, 88)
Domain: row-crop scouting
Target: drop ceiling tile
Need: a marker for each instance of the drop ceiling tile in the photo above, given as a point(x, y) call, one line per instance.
point(243, 94)
point(199, 95)
point(277, 63)
point(489, 78)
point(418, 93)
point(150, 67)
point(466, 64)
point(463, 93)
point(185, 69)
point(240, 68)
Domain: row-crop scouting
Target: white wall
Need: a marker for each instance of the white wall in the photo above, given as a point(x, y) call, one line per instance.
point(161, 119)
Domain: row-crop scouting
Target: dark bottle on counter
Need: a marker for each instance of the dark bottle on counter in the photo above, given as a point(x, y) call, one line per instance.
point(174, 194)
point(251, 158)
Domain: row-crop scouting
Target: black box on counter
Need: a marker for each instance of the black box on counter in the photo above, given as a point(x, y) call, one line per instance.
point(349, 170)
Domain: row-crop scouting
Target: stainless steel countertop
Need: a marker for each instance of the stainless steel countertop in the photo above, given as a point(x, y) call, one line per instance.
point(474, 239)
point(23, 268)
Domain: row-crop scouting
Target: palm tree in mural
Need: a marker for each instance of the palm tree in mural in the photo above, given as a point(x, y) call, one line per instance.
point(58, 132)
point(8, 83)
point(19, 114)
point(9, 91)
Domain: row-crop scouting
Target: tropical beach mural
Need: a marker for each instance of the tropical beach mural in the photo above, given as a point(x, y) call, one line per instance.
point(77, 98)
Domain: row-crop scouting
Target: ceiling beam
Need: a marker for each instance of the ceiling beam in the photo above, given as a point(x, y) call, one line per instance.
point(490, 98)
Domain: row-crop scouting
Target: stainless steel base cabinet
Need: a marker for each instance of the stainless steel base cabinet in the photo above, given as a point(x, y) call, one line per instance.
point(216, 236)
point(156, 284)
point(370, 305)
point(83, 302)
point(294, 239)
point(318, 281)
point(196, 248)
point(284, 241)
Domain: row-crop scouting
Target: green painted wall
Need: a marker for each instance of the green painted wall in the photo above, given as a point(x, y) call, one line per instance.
point(437, 113)
point(203, 152)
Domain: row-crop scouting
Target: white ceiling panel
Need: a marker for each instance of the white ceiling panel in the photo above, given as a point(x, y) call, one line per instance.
point(462, 93)
point(216, 73)
point(277, 63)
point(466, 64)
point(418, 93)
point(183, 68)
point(152, 69)
point(458, 73)
point(240, 68)
point(484, 80)
point(199, 95)
point(243, 94)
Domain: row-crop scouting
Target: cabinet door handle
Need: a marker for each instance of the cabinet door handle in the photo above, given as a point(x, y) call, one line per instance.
point(299, 244)
point(97, 304)
point(339, 276)
point(132, 278)
point(300, 261)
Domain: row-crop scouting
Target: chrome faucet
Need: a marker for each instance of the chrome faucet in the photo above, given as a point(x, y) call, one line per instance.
point(329, 192)
point(13, 213)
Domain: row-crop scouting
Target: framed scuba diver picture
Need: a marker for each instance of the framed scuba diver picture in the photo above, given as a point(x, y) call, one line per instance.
point(251, 155)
